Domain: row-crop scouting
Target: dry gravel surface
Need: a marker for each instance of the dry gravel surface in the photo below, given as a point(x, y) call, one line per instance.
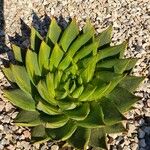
point(131, 21)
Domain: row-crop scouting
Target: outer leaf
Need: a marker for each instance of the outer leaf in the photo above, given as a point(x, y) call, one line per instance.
point(42, 89)
point(85, 51)
point(111, 51)
point(79, 113)
point(95, 117)
point(8, 74)
point(38, 131)
point(32, 66)
point(53, 31)
point(111, 112)
point(116, 128)
point(98, 138)
point(54, 121)
point(43, 57)
point(17, 52)
point(39, 135)
point(69, 35)
point(48, 108)
point(80, 138)
point(21, 78)
point(80, 41)
point(130, 83)
point(20, 99)
point(56, 56)
point(35, 39)
point(105, 37)
point(27, 118)
point(122, 98)
point(62, 133)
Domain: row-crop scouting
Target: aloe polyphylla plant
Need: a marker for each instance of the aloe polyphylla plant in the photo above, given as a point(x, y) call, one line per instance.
point(72, 85)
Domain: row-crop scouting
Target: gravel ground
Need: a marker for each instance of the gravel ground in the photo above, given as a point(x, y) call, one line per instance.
point(131, 21)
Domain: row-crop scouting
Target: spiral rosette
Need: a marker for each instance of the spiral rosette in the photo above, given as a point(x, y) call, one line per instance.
point(72, 85)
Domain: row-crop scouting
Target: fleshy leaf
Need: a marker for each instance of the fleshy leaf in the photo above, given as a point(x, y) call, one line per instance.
point(21, 78)
point(35, 39)
point(80, 138)
point(130, 83)
point(69, 35)
point(53, 32)
point(42, 89)
point(48, 108)
point(43, 57)
point(111, 112)
point(111, 51)
point(20, 99)
point(115, 128)
point(56, 56)
point(122, 98)
point(17, 52)
point(32, 66)
point(62, 133)
point(8, 73)
point(79, 113)
point(75, 46)
point(105, 37)
point(27, 118)
point(94, 118)
point(54, 121)
point(98, 138)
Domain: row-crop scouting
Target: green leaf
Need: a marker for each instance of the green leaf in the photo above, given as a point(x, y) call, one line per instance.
point(122, 98)
point(57, 78)
point(111, 51)
point(115, 128)
point(20, 99)
point(67, 104)
point(98, 138)
point(79, 113)
point(27, 118)
point(17, 52)
point(62, 133)
point(50, 83)
point(56, 56)
point(75, 46)
point(8, 73)
point(53, 31)
point(38, 135)
point(111, 113)
point(21, 78)
point(43, 57)
point(104, 37)
point(85, 51)
point(42, 89)
point(88, 73)
point(54, 121)
point(94, 118)
point(69, 35)
point(35, 39)
point(130, 83)
point(38, 131)
point(87, 92)
point(48, 108)
point(77, 92)
point(80, 138)
point(32, 66)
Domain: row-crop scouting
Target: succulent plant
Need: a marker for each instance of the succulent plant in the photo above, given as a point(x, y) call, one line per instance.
point(72, 85)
